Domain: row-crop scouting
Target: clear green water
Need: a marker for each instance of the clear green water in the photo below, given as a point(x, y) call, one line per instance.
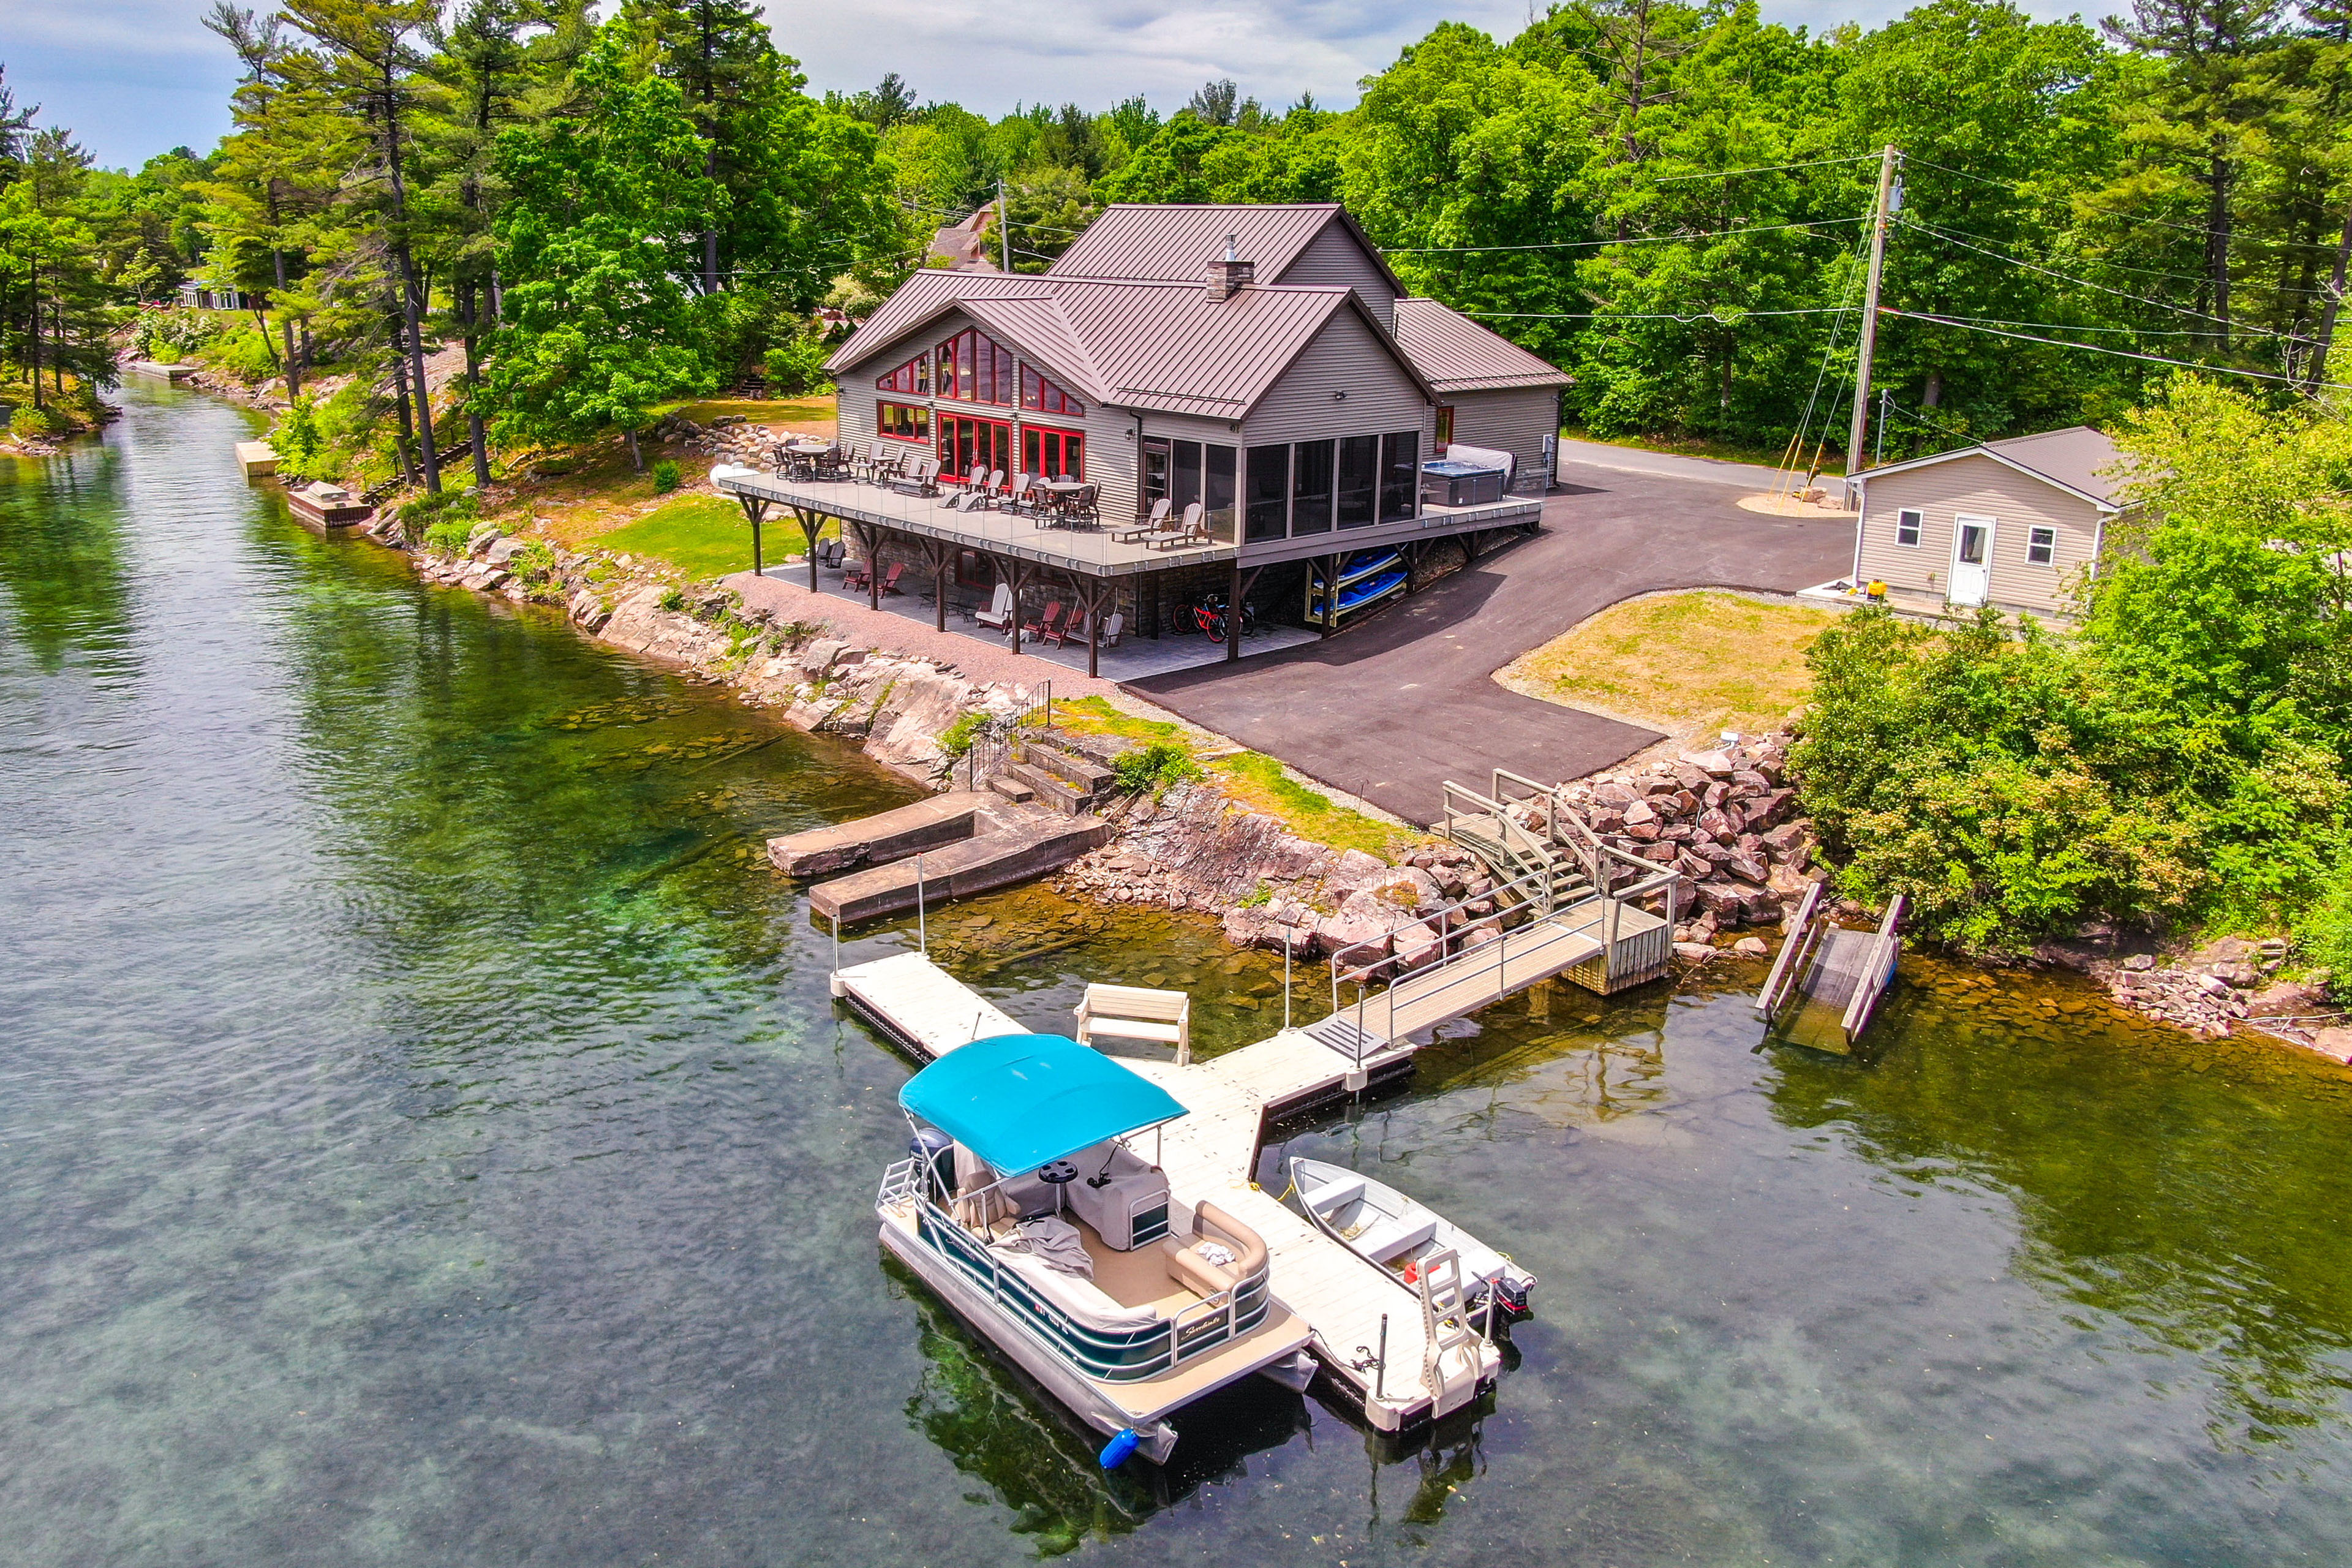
point(425, 1139)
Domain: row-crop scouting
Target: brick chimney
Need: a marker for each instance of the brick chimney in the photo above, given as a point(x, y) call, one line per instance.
point(1231, 276)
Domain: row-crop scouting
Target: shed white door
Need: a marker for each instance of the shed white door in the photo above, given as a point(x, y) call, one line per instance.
point(1971, 560)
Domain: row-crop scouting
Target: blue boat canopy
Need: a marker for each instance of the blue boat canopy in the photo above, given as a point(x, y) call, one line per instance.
point(1020, 1102)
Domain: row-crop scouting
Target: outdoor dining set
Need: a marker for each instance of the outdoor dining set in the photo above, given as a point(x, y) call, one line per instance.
point(1051, 502)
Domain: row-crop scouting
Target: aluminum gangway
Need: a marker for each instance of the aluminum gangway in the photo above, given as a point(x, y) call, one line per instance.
point(1827, 982)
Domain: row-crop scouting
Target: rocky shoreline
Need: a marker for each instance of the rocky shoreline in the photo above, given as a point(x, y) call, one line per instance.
point(1724, 819)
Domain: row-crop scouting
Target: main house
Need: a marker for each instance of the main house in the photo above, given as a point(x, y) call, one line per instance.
point(1262, 361)
point(2008, 523)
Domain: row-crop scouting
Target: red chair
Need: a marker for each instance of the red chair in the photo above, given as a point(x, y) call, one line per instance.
point(890, 578)
point(1050, 625)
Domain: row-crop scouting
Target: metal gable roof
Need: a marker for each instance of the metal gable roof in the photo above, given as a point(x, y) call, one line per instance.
point(2074, 459)
point(1454, 353)
point(1176, 243)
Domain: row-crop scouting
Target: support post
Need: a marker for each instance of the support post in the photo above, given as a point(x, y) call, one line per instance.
point(1887, 164)
point(1233, 614)
point(923, 927)
point(755, 508)
point(811, 525)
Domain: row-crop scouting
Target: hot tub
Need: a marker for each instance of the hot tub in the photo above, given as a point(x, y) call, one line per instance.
point(1451, 483)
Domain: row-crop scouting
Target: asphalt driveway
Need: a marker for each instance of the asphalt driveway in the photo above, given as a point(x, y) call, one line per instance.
point(1392, 708)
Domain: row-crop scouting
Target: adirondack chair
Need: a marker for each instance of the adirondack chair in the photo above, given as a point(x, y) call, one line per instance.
point(1072, 630)
point(999, 614)
point(1016, 497)
point(890, 578)
point(856, 573)
point(1048, 626)
point(1156, 521)
point(1166, 537)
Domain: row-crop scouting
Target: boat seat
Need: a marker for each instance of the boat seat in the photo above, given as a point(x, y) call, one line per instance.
point(1392, 1237)
point(1331, 1200)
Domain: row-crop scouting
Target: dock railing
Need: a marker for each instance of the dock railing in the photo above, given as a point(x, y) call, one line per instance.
point(1876, 970)
point(1795, 955)
point(1604, 865)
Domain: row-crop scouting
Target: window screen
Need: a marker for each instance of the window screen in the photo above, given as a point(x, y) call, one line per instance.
point(1310, 488)
point(1400, 474)
point(1269, 492)
point(1359, 470)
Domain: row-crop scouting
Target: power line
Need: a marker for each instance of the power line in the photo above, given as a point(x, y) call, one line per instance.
point(1708, 315)
point(2013, 186)
point(1765, 169)
point(2102, 349)
point(2086, 283)
point(1594, 244)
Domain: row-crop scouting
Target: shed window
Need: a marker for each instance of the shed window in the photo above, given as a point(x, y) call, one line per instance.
point(914, 377)
point(902, 422)
point(2041, 545)
point(1906, 526)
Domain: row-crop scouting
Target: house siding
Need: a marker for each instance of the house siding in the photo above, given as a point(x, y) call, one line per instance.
point(1109, 456)
point(1978, 487)
point(1346, 356)
point(1334, 257)
point(1521, 421)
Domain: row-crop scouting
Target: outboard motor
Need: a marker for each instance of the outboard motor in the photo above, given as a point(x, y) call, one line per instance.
point(937, 1150)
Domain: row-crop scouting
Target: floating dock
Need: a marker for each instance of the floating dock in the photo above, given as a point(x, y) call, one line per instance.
point(1371, 1332)
point(1826, 985)
point(257, 459)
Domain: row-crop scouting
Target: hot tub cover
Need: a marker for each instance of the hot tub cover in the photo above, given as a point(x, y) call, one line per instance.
point(1019, 1101)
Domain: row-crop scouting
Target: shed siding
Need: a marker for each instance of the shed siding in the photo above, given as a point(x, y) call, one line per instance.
point(1334, 257)
point(1110, 459)
point(1978, 487)
point(1518, 421)
point(1346, 356)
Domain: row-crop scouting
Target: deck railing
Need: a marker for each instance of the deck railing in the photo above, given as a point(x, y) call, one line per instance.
point(1105, 1355)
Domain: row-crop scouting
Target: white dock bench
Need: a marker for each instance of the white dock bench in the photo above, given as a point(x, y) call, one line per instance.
point(1135, 1013)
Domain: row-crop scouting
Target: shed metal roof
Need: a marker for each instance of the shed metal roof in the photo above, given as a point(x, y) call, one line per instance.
point(1456, 354)
point(2076, 458)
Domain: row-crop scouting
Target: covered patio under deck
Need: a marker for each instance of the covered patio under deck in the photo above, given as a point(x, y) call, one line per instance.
point(1090, 566)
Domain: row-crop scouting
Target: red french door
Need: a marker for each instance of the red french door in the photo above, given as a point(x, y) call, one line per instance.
point(967, 444)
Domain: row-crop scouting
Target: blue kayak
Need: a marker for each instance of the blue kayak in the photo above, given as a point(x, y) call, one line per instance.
point(1355, 596)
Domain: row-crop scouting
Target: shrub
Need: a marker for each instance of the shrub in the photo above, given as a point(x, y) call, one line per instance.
point(796, 366)
point(1158, 767)
point(534, 560)
point(2325, 935)
point(666, 476)
point(958, 738)
point(296, 441)
point(445, 522)
point(674, 599)
point(32, 423)
point(247, 354)
point(445, 538)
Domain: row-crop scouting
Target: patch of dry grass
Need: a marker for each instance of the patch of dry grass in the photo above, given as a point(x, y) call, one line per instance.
point(801, 416)
point(1688, 664)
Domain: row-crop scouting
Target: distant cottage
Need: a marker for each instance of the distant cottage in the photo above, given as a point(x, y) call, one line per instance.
point(2005, 523)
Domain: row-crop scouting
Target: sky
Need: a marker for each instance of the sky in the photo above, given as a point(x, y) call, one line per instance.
point(133, 77)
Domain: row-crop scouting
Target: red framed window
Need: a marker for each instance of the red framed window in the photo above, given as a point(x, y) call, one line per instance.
point(969, 445)
point(1043, 396)
point(914, 377)
point(975, 368)
point(902, 421)
point(1053, 454)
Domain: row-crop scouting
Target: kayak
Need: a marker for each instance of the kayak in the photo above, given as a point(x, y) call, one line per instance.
point(1359, 594)
point(1394, 1232)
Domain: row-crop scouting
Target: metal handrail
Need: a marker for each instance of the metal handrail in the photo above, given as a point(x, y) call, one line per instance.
point(1786, 967)
point(1489, 808)
point(1866, 997)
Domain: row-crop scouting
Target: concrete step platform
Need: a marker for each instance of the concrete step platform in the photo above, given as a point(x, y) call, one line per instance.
point(1023, 842)
point(885, 837)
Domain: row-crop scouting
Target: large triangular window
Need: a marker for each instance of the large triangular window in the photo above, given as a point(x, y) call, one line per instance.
point(977, 368)
point(1045, 397)
point(914, 377)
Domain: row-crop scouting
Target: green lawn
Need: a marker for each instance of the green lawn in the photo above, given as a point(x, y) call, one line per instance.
point(703, 536)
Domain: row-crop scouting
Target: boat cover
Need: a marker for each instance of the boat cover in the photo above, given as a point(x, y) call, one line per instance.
point(1020, 1102)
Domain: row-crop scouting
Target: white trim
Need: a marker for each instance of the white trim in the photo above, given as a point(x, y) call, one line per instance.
point(1919, 530)
point(2032, 533)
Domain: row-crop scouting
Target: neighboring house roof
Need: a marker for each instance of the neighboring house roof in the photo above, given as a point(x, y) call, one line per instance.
point(2076, 460)
point(1176, 243)
point(963, 246)
point(1456, 354)
point(1169, 346)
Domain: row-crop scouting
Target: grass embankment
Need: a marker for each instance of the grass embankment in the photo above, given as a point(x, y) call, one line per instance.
point(1688, 664)
point(1251, 778)
point(799, 415)
point(67, 412)
point(1700, 446)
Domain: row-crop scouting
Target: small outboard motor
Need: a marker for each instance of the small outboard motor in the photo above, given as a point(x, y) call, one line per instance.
point(936, 1149)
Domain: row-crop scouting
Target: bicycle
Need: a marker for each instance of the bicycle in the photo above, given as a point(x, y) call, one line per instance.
point(1210, 617)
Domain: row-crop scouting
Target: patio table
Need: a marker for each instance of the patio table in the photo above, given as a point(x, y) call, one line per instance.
point(1057, 493)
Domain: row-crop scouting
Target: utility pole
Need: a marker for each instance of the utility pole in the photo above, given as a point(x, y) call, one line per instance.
point(1004, 227)
point(1889, 194)
point(1878, 447)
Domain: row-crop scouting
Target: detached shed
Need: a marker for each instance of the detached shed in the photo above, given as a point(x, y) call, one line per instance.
point(2006, 523)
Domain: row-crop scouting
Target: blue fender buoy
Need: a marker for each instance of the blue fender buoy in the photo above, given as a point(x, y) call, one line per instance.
point(1123, 1442)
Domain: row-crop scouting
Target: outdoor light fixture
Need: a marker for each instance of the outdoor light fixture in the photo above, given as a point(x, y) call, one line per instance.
point(1340, 395)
